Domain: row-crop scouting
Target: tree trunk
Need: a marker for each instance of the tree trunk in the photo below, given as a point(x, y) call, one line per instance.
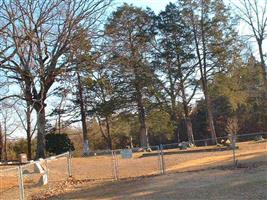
point(203, 73)
point(1, 142)
point(188, 122)
point(131, 142)
point(108, 133)
point(5, 141)
point(263, 67)
point(40, 152)
point(176, 126)
point(210, 119)
point(5, 147)
point(174, 119)
point(189, 130)
point(29, 131)
point(83, 117)
point(142, 119)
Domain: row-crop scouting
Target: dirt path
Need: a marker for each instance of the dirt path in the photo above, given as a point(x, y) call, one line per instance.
point(211, 184)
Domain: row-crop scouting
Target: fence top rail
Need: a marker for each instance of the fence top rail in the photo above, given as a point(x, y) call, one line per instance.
point(32, 162)
point(157, 147)
point(8, 169)
point(222, 137)
point(58, 156)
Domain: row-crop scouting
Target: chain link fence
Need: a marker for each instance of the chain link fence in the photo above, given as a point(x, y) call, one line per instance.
point(9, 183)
point(23, 181)
point(231, 151)
point(97, 166)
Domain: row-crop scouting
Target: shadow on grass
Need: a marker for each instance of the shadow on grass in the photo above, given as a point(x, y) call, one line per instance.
point(206, 184)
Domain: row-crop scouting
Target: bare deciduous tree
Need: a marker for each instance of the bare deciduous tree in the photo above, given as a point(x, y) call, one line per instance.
point(254, 13)
point(8, 126)
point(232, 126)
point(25, 117)
point(35, 36)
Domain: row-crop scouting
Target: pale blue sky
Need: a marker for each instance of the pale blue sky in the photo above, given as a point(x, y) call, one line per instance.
point(156, 5)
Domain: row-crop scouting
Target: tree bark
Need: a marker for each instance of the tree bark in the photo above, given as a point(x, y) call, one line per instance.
point(187, 119)
point(83, 117)
point(5, 140)
point(144, 142)
point(175, 123)
point(108, 133)
point(40, 152)
point(263, 66)
point(29, 131)
point(5, 147)
point(210, 119)
point(189, 130)
point(1, 142)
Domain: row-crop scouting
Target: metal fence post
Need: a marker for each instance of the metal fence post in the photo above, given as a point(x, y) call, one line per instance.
point(47, 170)
point(162, 160)
point(21, 184)
point(159, 160)
point(233, 148)
point(69, 164)
point(115, 165)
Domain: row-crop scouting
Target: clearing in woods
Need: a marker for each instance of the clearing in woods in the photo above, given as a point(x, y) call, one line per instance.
point(190, 175)
point(247, 182)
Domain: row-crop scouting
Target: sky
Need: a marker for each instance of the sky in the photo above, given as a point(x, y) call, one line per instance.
point(156, 5)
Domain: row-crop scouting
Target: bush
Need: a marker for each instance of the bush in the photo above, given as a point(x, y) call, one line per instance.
point(58, 143)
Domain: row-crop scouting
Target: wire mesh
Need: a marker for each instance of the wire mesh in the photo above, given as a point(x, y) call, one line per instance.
point(57, 168)
point(97, 166)
point(250, 150)
point(143, 162)
point(9, 182)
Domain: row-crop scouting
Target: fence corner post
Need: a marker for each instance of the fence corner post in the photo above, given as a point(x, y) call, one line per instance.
point(47, 170)
point(69, 164)
point(115, 165)
point(21, 184)
point(162, 163)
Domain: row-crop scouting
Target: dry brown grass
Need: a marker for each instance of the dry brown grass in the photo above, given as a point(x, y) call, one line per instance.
point(202, 163)
point(238, 184)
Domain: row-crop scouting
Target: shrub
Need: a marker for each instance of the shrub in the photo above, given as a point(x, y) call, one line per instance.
point(58, 143)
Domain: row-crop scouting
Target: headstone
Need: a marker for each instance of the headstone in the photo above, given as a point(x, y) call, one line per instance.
point(258, 138)
point(227, 142)
point(38, 168)
point(183, 145)
point(43, 180)
point(52, 158)
point(23, 158)
point(126, 153)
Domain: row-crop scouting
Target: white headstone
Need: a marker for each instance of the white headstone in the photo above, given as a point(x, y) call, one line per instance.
point(43, 179)
point(38, 168)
